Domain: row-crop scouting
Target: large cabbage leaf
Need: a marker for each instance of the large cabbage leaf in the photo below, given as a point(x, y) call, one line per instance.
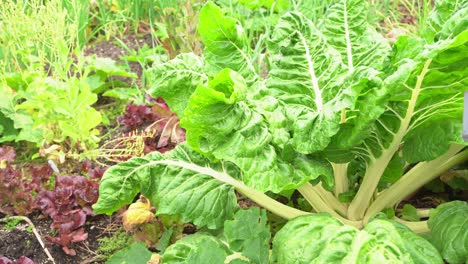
point(448, 19)
point(176, 80)
point(320, 238)
point(223, 123)
point(424, 103)
point(226, 45)
point(347, 29)
point(177, 183)
point(245, 239)
point(449, 226)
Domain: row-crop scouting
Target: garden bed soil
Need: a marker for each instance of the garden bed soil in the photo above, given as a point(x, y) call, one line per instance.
point(20, 241)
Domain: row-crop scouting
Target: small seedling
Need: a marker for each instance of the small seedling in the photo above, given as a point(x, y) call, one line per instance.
point(11, 223)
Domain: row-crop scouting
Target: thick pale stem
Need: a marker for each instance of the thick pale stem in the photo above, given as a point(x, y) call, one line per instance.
point(423, 213)
point(377, 166)
point(372, 176)
point(269, 203)
point(421, 174)
point(417, 227)
point(341, 178)
point(329, 199)
point(320, 205)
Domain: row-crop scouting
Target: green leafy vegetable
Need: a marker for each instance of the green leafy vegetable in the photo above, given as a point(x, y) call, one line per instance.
point(196, 249)
point(245, 240)
point(320, 238)
point(449, 225)
point(352, 124)
point(135, 253)
point(225, 43)
point(240, 134)
point(186, 188)
point(176, 80)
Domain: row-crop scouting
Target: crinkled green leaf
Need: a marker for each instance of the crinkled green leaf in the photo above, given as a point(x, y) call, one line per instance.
point(307, 77)
point(176, 80)
point(439, 102)
point(391, 233)
point(419, 102)
point(179, 182)
point(449, 227)
point(223, 123)
point(347, 30)
point(135, 253)
point(248, 233)
point(319, 238)
point(369, 105)
point(446, 20)
point(427, 88)
point(226, 45)
point(196, 249)
point(246, 240)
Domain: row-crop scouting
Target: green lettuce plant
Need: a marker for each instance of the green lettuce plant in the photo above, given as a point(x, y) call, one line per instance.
point(54, 114)
point(351, 123)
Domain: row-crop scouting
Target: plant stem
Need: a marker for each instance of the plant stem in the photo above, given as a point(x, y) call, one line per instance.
point(374, 172)
point(320, 205)
point(422, 213)
point(417, 227)
point(414, 179)
point(341, 178)
point(269, 203)
point(327, 197)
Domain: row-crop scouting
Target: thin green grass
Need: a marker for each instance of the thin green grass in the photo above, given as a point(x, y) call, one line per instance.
point(37, 36)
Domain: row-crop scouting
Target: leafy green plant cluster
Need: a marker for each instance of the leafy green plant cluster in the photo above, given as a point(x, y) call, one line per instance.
point(351, 123)
point(55, 114)
point(48, 112)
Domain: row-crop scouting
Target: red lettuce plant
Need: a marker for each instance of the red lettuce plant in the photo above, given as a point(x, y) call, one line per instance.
point(19, 187)
point(68, 204)
point(20, 260)
point(7, 154)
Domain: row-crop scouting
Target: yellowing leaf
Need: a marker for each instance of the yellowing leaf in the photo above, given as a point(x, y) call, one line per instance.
point(137, 214)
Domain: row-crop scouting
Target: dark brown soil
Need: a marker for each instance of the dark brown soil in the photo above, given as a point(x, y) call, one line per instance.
point(22, 242)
